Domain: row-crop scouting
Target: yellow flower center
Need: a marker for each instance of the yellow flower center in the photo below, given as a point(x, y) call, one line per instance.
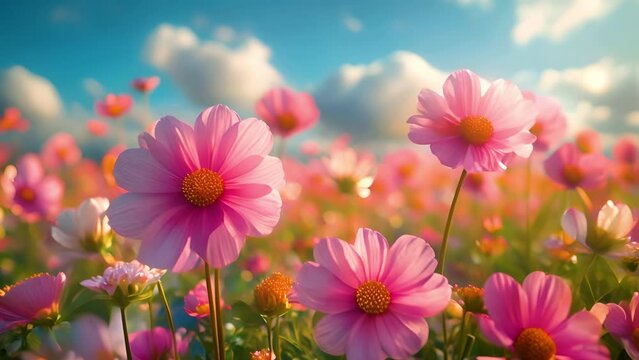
point(537, 129)
point(573, 174)
point(372, 297)
point(271, 294)
point(115, 109)
point(202, 309)
point(202, 187)
point(27, 194)
point(476, 130)
point(535, 344)
point(287, 122)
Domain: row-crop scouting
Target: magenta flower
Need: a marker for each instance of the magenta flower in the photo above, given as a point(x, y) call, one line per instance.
point(114, 106)
point(60, 150)
point(35, 300)
point(622, 322)
point(589, 142)
point(571, 168)
point(30, 193)
point(202, 189)
point(146, 85)
point(196, 301)
point(475, 131)
point(12, 120)
point(532, 321)
point(375, 297)
point(156, 344)
point(287, 112)
point(550, 125)
point(97, 128)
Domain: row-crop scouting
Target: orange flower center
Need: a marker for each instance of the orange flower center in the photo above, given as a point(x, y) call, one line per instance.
point(202, 309)
point(27, 194)
point(372, 297)
point(476, 130)
point(115, 109)
point(535, 344)
point(287, 122)
point(62, 152)
point(573, 174)
point(537, 129)
point(202, 187)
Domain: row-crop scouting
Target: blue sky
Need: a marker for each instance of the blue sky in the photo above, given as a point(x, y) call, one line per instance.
point(70, 42)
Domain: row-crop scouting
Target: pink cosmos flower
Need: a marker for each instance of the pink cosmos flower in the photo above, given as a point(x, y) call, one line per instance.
point(257, 264)
point(550, 125)
point(375, 297)
point(35, 300)
point(466, 128)
point(351, 171)
point(31, 194)
point(156, 344)
point(60, 150)
point(626, 151)
point(114, 106)
point(622, 321)
point(196, 301)
point(146, 85)
point(287, 112)
point(12, 121)
point(571, 168)
point(198, 190)
point(97, 128)
point(130, 278)
point(532, 321)
point(589, 142)
point(85, 228)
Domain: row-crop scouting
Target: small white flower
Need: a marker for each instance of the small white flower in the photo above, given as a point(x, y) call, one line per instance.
point(85, 228)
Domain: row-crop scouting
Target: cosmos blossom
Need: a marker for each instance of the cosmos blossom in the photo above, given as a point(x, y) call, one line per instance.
point(35, 300)
point(196, 301)
point(125, 278)
point(571, 168)
point(97, 127)
point(60, 150)
point(375, 297)
point(532, 320)
point(85, 228)
point(12, 120)
point(622, 321)
point(114, 106)
point(198, 190)
point(479, 132)
point(287, 112)
point(550, 124)
point(146, 85)
point(156, 344)
point(29, 192)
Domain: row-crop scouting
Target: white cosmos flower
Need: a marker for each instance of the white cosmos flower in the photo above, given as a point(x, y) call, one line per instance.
point(85, 228)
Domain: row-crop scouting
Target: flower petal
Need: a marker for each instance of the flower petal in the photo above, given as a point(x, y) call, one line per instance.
point(426, 300)
point(410, 262)
point(318, 289)
point(491, 333)
point(578, 338)
point(136, 170)
point(333, 330)
point(363, 342)
point(341, 259)
point(372, 247)
point(462, 91)
point(507, 304)
point(401, 336)
point(574, 223)
point(549, 300)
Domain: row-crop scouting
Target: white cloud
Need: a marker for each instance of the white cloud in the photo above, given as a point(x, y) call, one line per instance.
point(213, 72)
point(376, 99)
point(224, 33)
point(34, 95)
point(353, 24)
point(554, 19)
point(596, 79)
point(585, 115)
point(485, 4)
point(93, 87)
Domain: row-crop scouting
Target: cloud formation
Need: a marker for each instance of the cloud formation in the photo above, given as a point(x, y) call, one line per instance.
point(211, 71)
point(554, 19)
point(375, 100)
point(34, 95)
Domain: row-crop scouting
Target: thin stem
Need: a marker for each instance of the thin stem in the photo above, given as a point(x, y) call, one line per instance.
point(151, 325)
point(126, 334)
point(449, 220)
point(169, 317)
point(584, 198)
point(462, 337)
point(527, 237)
point(218, 310)
point(269, 335)
point(442, 258)
point(212, 313)
point(277, 344)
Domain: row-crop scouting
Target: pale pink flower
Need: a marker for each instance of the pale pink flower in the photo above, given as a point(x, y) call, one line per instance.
point(571, 168)
point(287, 112)
point(198, 190)
point(30, 193)
point(34, 300)
point(375, 297)
point(614, 223)
point(97, 127)
point(622, 321)
point(532, 321)
point(60, 150)
point(92, 338)
point(146, 85)
point(550, 124)
point(12, 120)
point(351, 171)
point(85, 228)
point(130, 278)
point(479, 132)
point(589, 142)
point(157, 344)
point(114, 106)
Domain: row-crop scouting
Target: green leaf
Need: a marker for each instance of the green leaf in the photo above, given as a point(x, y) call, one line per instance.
point(247, 315)
point(628, 285)
point(598, 281)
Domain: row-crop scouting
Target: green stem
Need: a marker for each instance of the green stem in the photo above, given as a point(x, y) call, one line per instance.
point(151, 326)
point(442, 258)
point(218, 310)
point(583, 195)
point(126, 334)
point(269, 335)
point(462, 338)
point(169, 317)
point(212, 313)
point(527, 237)
point(277, 345)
